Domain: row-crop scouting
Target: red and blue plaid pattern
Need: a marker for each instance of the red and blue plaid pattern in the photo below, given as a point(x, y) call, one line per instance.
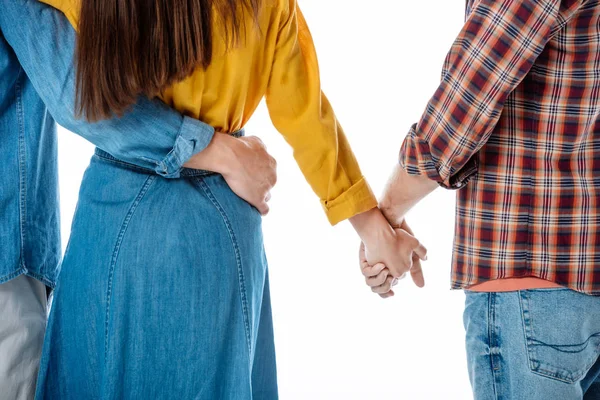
point(517, 116)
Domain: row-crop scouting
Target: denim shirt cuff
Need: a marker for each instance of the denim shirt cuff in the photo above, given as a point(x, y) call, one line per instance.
point(193, 137)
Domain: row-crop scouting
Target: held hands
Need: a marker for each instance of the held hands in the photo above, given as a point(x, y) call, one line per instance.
point(402, 192)
point(381, 280)
point(387, 254)
point(246, 166)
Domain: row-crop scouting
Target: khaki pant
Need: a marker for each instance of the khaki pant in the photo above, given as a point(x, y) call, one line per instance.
point(22, 324)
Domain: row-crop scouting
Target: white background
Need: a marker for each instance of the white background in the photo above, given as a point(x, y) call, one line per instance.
point(380, 62)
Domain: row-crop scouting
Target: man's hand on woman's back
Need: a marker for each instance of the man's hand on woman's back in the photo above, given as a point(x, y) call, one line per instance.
point(245, 164)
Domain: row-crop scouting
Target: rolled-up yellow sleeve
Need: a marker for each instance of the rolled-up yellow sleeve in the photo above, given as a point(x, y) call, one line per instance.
point(304, 116)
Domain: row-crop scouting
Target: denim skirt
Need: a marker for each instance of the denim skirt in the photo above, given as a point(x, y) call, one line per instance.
point(163, 292)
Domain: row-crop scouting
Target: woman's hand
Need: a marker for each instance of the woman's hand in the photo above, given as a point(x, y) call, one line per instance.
point(246, 166)
point(394, 248)
point(378, 277)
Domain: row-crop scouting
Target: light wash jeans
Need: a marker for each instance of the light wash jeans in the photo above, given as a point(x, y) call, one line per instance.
point(533, 345)
point(163, 293)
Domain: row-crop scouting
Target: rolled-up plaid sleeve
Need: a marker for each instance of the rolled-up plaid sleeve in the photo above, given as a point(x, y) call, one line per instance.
point(494, 51)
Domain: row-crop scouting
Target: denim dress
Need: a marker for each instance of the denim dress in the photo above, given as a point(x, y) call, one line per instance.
point(163, 292)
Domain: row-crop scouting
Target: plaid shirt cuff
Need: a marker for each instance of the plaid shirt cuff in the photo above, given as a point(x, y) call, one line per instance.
point(416, 159)
point(194, 136)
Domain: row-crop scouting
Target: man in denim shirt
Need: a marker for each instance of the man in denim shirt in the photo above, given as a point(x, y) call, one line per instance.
point(36, 88)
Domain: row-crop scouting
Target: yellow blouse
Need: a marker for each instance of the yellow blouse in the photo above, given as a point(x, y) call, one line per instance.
point(276, 59)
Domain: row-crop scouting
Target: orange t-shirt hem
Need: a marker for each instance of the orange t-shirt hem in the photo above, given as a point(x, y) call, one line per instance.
point(513, 284)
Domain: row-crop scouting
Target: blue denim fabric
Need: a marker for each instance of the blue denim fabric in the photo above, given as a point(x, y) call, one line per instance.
point(36, 70)
point(539, 344)
point(29, 218)
point(163, 292)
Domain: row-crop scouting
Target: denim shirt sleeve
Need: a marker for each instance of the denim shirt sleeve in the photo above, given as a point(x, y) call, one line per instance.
point(151, 135)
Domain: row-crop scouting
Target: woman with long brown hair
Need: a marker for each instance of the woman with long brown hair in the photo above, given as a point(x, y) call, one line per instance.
point(164, 288)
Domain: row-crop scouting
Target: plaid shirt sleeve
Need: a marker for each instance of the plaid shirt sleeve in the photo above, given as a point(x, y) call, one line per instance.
point(496, 48)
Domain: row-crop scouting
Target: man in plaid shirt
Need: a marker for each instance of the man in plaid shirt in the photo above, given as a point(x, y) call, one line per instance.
point(515, 127)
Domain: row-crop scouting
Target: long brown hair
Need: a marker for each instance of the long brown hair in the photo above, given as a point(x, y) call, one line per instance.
point(127, 48)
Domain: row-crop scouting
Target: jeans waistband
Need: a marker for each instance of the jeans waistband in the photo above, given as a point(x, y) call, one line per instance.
point(185, 172)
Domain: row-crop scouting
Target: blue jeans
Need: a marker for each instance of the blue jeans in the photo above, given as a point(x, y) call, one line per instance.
point(163, 292)
point(533, 344)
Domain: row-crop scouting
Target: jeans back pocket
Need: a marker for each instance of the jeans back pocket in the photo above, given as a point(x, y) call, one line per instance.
point(562, 331)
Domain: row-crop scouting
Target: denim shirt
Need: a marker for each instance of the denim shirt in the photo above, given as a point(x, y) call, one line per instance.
point(37, 87)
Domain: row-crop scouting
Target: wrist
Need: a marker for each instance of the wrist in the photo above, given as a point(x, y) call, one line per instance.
point(216, 157)
point(394, 214)
point(225, 156)
point(371, 226)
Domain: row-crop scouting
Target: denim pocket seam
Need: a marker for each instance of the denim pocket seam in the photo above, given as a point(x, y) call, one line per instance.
point(116, 250)
point(241, 278)
point(542, 369)
point(527, 328)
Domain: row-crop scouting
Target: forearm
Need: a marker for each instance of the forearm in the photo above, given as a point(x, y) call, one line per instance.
point(370, 226)
point(403, 191)
point(151, 135)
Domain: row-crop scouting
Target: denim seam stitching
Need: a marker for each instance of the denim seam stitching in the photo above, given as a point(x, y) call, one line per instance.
point(115, 256)
point(22, 271)
point(525, 314)
point(41, 278)
point(22, 167)
point(492, 339)
point(241, 279)
point(12, 275)
point(164, 165)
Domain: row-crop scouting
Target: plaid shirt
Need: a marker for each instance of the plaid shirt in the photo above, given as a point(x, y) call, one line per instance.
point(517, 117)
